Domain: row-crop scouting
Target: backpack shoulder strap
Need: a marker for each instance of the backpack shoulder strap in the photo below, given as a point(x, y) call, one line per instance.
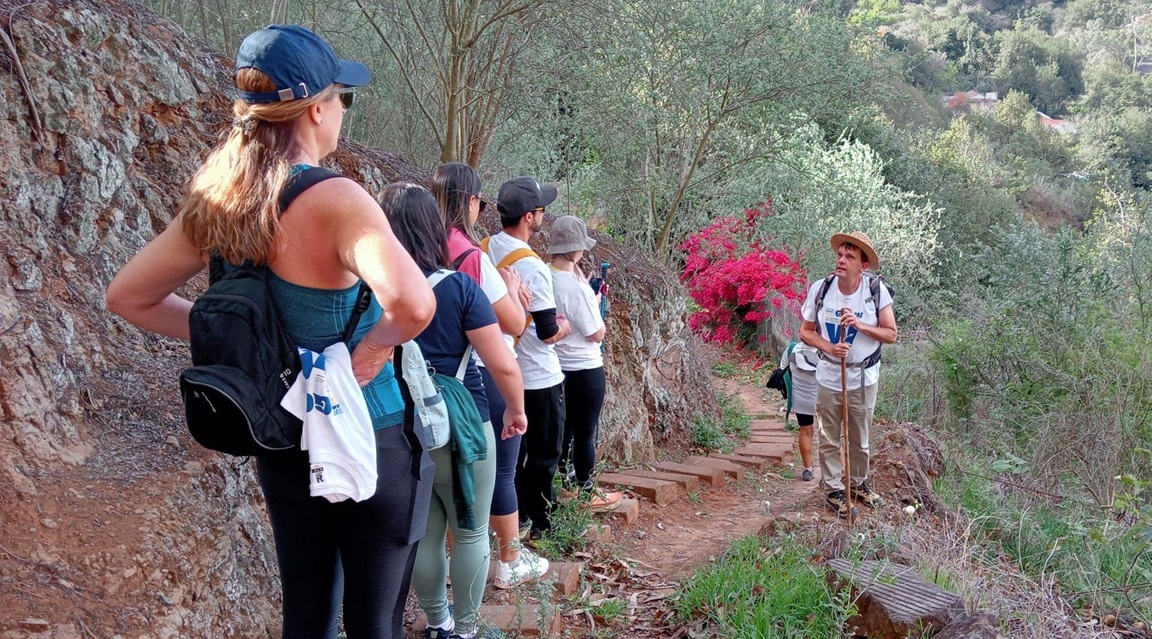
point(516, 256)
point(823, 291)
point(438, 277)
point(484, 244)
point(463, 256)
point(363, 301)
point(303, 181)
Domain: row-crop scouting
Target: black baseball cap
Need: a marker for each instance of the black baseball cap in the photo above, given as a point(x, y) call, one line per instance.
point(522, 194)
point(299, 62)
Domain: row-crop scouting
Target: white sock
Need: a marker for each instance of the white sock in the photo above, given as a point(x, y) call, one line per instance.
point(447, 626)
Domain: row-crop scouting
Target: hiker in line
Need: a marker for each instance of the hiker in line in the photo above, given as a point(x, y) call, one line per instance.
point(521, 203)
point(457, 190)
point(463, 318)
point(580, 357)
point(858, 304)
point(801, 360)
point(292, 94)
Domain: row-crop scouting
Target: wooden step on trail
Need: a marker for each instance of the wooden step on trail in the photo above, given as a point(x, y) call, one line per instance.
point(771, 439)
point(710, 476)
point(658, 491)
point(731, 469)
point(768, 424)
point(777, 453)
point(758, 464)
point(689, 483)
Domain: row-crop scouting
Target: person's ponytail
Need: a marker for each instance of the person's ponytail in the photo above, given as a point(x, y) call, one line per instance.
point(232, 205)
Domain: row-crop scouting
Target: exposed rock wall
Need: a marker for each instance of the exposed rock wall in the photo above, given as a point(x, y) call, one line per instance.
point(112, 522)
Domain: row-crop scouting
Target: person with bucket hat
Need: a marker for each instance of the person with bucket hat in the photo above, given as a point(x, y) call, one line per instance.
point(847, 316)
point(580, 357)
point(261, 197)
point(521, 202)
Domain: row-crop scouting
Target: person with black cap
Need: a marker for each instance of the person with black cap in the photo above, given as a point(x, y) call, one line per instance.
point(521, 202)
point(260, 197)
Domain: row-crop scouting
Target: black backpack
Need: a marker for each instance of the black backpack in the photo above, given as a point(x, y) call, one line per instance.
point(243, 362)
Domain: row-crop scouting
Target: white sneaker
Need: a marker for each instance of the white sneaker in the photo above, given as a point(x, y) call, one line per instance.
point(511, 574)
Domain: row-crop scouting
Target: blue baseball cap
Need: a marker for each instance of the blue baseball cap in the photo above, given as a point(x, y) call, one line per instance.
point(299, 62)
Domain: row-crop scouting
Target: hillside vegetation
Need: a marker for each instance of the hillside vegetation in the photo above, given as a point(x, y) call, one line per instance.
point(998, 152)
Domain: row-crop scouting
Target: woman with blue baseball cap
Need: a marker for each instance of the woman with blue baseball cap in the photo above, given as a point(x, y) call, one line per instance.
point(260, 197)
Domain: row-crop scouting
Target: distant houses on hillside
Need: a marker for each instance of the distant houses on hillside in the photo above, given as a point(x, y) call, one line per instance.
point(963, 101)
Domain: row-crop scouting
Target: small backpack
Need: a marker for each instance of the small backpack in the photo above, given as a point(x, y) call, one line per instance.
point(420, 378)
point(243, 362)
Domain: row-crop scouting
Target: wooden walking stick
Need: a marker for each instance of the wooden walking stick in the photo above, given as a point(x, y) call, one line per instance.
point(845, 456)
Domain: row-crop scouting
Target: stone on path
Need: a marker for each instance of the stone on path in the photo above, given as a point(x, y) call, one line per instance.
point(657, 491)
point(893, 600)
point(517, 620)
point(710, 476)
point(978, 625)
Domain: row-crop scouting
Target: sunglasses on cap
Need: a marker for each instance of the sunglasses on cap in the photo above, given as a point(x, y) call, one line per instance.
point(347, 97)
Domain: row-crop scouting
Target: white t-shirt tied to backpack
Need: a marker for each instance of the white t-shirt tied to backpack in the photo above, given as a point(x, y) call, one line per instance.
point(574, 299)
point(827, 319)
point(538, 362)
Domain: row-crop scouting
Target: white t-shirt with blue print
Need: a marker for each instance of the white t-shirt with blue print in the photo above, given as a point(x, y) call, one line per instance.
point(827, 319)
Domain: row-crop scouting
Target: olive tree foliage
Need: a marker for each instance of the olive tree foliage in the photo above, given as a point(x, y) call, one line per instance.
point(457, 59)
point(676, 101)
point(820, 188)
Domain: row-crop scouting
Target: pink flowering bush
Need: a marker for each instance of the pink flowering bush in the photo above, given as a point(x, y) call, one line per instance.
point(736, 280)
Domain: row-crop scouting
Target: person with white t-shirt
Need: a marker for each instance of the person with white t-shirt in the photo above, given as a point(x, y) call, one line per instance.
point(521, 203)
point(457, 190)
point(845, 305)
point(580, 356)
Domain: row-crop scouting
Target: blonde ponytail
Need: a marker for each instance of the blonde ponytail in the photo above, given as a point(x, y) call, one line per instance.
point(232, 205)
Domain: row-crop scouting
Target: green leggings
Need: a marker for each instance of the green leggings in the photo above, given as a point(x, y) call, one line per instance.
point(471, 549)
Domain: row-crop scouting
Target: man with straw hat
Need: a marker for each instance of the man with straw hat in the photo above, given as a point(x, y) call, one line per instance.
point(847, 316)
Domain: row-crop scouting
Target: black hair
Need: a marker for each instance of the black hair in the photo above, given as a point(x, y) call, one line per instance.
point(454, 184)
point(411, 210)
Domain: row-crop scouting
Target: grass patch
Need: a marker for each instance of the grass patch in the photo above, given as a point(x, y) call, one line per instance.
point(754, 591)
point(1096, 560)
point(708, 434)
point(726, 370)
point(570, 522)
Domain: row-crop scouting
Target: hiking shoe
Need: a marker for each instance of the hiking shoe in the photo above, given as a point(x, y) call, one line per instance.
point(602, 501)
point(483, 632)
point(525, 528)
point(437, 633)
point(806, 475)
point(838, 503)
point(866, 495)
point(510, 574)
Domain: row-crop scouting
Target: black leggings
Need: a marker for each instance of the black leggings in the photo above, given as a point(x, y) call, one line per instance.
point(360, 553)
point(539, 454)
point(805, 420)
point(507, 451)
point(583, 398)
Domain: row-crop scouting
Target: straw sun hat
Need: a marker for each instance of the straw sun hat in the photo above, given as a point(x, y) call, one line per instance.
point(860, 240)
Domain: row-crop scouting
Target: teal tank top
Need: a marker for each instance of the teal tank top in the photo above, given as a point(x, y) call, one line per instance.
point(315, 319)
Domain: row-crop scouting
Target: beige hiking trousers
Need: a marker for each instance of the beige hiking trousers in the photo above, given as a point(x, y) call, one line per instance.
point(861, 405)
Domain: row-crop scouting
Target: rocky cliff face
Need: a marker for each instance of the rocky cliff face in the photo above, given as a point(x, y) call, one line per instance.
point(113, 523)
